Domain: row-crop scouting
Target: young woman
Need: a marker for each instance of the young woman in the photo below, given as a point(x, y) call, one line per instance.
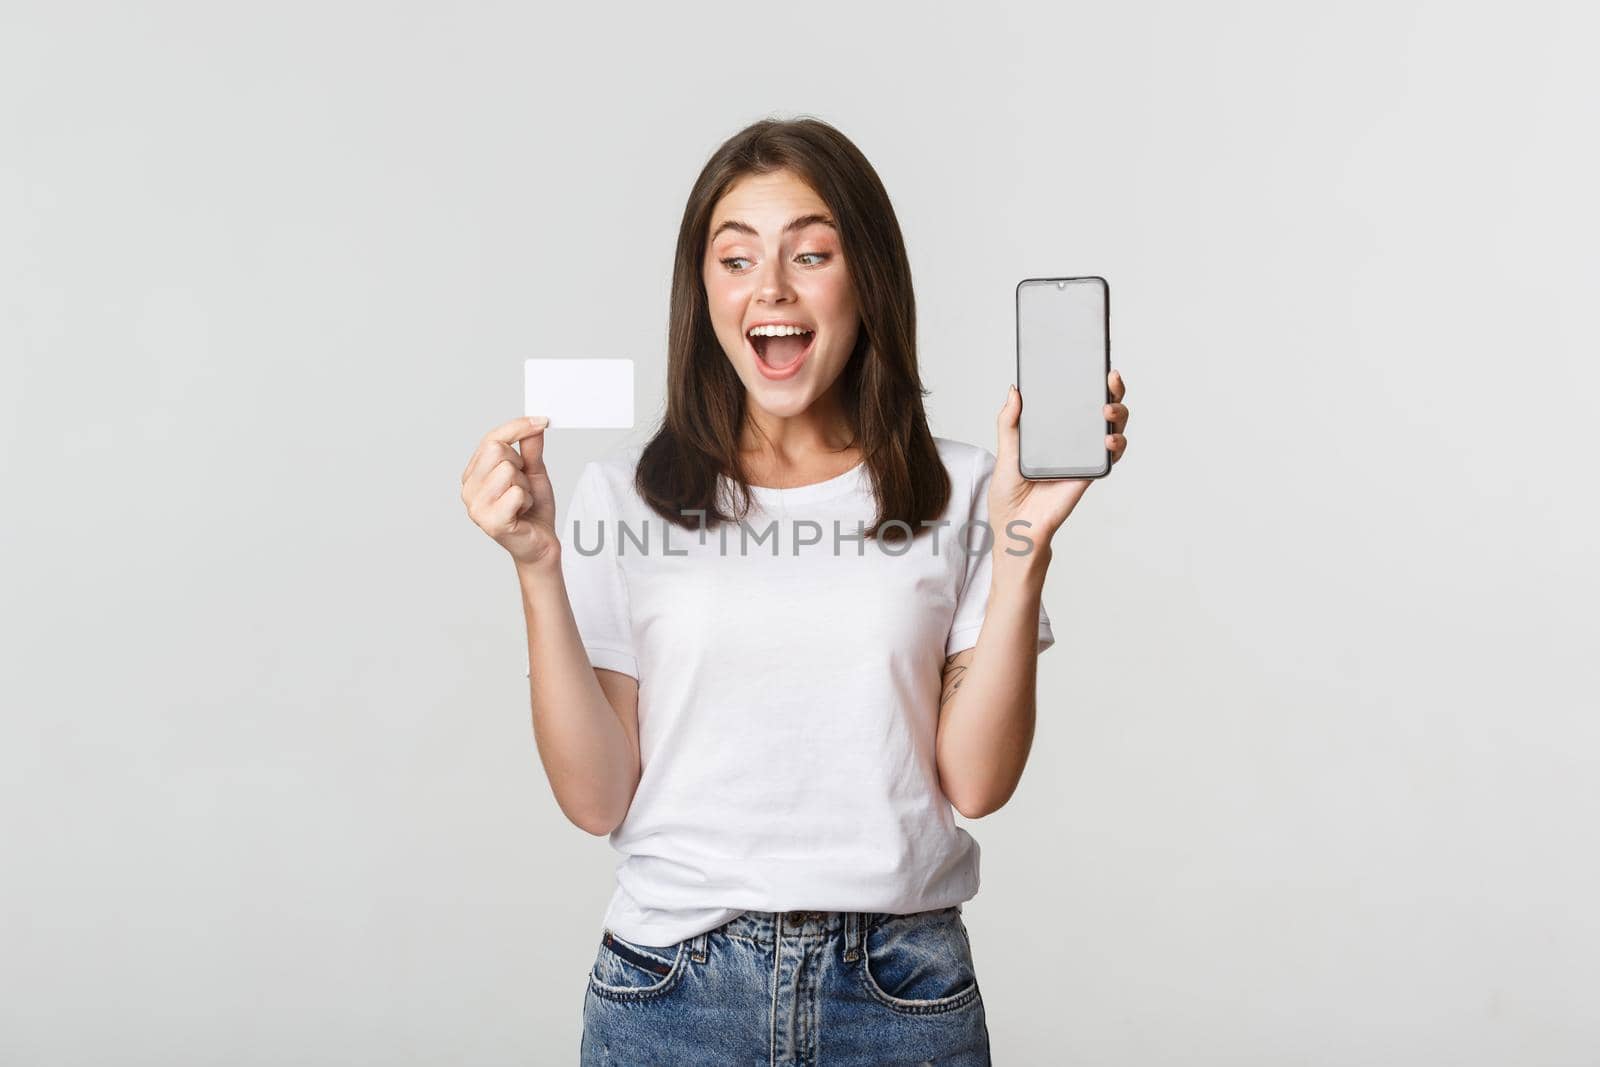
point(779, 641)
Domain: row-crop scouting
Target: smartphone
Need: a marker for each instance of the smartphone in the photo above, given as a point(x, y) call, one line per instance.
point(1063, 363)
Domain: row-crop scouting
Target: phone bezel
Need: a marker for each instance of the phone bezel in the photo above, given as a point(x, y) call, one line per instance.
point(1054, 473)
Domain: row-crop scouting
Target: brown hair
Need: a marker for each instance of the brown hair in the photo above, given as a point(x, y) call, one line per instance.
point(880, 389)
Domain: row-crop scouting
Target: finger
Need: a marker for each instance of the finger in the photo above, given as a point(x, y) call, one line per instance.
point(490, 455)
point(1006, 432)
point(1119, 388)
point(1118, 444)
point(506, 432)
point(1117, 415)
point(507, 510)
point(504, 475)
point(505, 480)
point(481, 491)
point(503, 434)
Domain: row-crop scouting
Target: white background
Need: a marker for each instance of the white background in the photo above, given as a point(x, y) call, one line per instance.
point(1315, 780)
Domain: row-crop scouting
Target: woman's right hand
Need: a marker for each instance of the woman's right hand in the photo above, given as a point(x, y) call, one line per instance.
point(509, 494)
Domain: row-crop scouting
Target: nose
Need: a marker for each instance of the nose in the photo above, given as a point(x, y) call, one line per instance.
point(774, 282)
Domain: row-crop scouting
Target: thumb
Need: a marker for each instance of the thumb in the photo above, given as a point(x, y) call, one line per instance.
point(532, 445)
point(1006, 425)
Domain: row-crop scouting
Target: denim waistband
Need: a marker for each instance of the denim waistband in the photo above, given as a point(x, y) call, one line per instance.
point(849, 927)
point(766, 926)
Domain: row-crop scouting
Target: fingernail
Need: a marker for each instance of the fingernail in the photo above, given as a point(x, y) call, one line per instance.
point(538, 420)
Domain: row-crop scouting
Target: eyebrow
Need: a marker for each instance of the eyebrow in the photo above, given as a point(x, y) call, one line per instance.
point(799, 222)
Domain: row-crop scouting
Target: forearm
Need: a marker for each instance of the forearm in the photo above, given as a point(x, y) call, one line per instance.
point(592, 763)
point(986, 726)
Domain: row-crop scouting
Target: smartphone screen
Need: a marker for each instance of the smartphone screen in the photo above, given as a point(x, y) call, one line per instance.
point(1063, 360)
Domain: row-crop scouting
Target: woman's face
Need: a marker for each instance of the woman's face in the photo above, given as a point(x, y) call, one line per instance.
point(759, 270)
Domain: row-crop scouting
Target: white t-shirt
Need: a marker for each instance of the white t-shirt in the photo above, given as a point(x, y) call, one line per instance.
point(788, 702)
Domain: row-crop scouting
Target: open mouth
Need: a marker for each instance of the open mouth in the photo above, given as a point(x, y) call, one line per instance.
point(780, 355)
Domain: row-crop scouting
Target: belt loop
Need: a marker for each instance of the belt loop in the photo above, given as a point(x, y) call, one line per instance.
point(852, 935)
point(697, 948)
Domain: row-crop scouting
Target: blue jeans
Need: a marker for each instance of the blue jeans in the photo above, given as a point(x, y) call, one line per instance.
point(823, 988)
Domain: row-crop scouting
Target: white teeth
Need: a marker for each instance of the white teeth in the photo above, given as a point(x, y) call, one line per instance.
point(777, 331)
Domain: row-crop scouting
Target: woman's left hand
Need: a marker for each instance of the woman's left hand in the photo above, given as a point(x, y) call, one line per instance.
point(1045, 505)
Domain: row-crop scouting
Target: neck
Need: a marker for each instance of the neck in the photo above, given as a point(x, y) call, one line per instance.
point(819, 433)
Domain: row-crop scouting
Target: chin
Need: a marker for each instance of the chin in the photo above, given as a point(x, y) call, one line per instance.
point(781, 403)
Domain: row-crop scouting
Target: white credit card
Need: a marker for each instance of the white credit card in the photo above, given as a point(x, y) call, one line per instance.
point(578, 393)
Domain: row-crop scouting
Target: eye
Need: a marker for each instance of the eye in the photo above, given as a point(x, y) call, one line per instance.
point(731, 260)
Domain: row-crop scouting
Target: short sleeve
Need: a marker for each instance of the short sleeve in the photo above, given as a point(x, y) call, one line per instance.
point(596, 585)
point(973, 600)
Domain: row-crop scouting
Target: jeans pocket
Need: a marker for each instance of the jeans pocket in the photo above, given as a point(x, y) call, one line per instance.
point(919, 964)
point(626, 970)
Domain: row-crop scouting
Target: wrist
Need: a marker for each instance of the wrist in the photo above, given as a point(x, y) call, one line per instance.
point(1021, 566)
point(541, 571)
